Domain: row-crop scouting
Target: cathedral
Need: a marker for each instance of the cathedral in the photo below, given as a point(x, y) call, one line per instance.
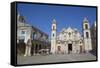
point(70, 40)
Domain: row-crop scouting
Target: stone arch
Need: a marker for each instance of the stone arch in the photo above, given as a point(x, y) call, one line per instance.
point(21, 46)
point(40, 46)
point(81, 48)
point(59, 48)
point(86, 26)
point(36, 48)
point(70, 48)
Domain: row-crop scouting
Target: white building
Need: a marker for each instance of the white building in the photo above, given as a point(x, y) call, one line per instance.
point(70, 40)
point(25, 31)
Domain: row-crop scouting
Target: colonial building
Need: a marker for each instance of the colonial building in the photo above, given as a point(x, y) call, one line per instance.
point(70, 40)
point(25, 32)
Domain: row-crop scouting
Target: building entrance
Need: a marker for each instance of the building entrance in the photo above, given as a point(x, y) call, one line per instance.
point(59, 48)
point(69, 48)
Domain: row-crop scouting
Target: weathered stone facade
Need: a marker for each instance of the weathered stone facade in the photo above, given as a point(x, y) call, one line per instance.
point(70, 40)
point(25, 32)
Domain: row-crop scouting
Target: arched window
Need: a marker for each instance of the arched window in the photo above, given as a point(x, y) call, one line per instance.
point(23, 32)
point(53, 27)
point(53, 34)
point(87, 35)
point(69, 34)
point(86, 26)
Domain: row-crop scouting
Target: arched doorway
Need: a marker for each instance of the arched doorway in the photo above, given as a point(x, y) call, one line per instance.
point(36, 48)
point(59, 48)
point(80, 49)
point(69, 48)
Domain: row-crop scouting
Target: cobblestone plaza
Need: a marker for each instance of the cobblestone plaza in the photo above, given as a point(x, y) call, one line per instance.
point(54, 58)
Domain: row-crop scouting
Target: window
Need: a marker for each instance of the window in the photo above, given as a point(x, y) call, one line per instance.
point(69, 34)
point(23, 32)
point(53, 27)
point(33, 35)
point(21, 40)
point(53, 34)
point(87, 35)
point(86, 26)
point(21, 19)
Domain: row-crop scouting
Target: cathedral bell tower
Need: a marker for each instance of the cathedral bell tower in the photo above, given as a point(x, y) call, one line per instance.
point(87, 35)
point(53, 37)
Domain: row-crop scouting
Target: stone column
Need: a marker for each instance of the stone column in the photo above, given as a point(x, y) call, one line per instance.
point(29, 50)
point(78, 48)
point(73, 47)
point(37, 49)
point(26, 51)
point(34, 48)
point(67, 48)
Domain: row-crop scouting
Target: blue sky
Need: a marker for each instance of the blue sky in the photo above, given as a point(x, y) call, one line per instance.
point(41, 16)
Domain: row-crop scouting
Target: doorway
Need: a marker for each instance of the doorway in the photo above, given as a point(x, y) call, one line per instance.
point(59, 48)
point(80, 49)
point(69, 48)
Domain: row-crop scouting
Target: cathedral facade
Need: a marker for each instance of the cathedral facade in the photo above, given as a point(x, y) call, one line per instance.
point(70, 40)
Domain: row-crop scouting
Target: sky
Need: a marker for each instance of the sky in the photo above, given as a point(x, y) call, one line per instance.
point(41, 16)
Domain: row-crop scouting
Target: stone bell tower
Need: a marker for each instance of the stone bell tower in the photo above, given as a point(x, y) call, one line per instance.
point(87, 35)
point(53, 37)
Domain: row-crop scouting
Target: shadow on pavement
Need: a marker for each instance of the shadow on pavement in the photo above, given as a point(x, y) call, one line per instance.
point(93, 52)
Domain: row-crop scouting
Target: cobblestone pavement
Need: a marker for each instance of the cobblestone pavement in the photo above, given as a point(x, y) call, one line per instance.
point(52, 58)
